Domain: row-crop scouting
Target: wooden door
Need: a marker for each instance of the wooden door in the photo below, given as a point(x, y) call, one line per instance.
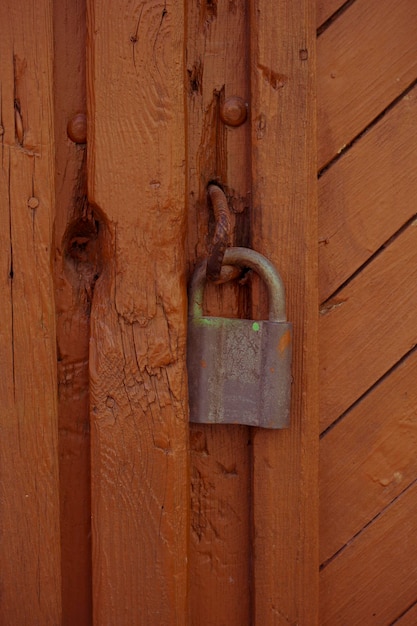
point(114, 510)
point(366, 77)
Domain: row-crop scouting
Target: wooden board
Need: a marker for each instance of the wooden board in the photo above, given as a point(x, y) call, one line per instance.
point(368, 458)
point(361, 68)
point(73, 280)
point(409, 618)
point(367, 195)
point(374, 578)
point(284, 228)
point(326, 8)
point(217, 69)
point(30, 544)
point(368, 326)
point(136, 182)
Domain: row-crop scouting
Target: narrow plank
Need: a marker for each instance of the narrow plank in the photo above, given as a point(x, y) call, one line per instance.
point(368, 326)
point(285, 502)
point(409, 618)
point(368, 458)
point(30, 543)
point(136, 143)
point(326, 8)
point(217, 69)
point(367, 195)
point(74, 281)
point(364, 61)
point(374, 579)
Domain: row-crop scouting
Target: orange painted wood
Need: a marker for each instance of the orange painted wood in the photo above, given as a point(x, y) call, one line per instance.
point(409, 618)
point(136, 182)
point(374, 579)
point(217, 69)
point(30, 544)
point(74, 282)
point(326, 8)
point(368, 458)
point(368, 326)
point(367, 195)
point(361, 68)
point(284, 228)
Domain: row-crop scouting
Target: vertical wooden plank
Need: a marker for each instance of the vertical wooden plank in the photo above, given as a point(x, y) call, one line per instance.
point(74, 280)
point(217, 69)
point(29, 497)
point(285, 230)
point(136, 159)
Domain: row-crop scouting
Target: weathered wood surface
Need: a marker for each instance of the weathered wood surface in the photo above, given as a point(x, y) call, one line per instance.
point(220, 543)
point(369, 458)
point(30, 543)
point(368, 326)
point(374, 579)
point(73, 280)
point(284, 228)
point(136, 183)
point(367, 195)
point(361, 68)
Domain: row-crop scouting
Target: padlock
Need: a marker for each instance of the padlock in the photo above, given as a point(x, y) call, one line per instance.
point(239, 370)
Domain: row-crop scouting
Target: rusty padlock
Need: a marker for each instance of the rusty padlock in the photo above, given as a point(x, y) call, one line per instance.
point(239, 370)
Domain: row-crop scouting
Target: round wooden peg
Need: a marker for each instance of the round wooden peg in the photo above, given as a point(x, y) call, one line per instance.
point(77, 128)
point(234, 111)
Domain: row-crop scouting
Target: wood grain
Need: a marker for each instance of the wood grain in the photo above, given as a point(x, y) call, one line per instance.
point(326, 8)
point(367, 195)
point(136, 159)
point(73, 282)
point(373, 579)
point(409, 618)
point(368, 458)
point(368, 326)
point(30, 544)
point(361, 68)
point(217, 69)
point(284, 222)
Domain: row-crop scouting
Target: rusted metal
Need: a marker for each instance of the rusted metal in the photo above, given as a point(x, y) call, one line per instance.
point(240, 370)
point(221, 233)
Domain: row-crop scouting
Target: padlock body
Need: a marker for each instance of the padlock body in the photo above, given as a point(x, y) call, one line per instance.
point(239, 371)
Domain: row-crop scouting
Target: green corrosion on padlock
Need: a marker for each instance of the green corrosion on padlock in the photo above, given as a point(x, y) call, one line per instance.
point(239, 370)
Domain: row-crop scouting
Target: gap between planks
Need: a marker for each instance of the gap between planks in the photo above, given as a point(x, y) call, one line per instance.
point(367, 128)
point(333, 17)
point(376, 384)
point(369, 523)
point(375, 255)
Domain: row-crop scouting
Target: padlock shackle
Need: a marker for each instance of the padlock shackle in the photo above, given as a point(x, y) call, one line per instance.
point(245, 258)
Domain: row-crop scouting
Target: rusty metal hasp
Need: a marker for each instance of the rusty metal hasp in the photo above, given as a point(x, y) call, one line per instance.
point(239, 370)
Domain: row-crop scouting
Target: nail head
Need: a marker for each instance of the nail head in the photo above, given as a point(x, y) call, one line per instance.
point(77, 128)
point(33, 203)
point(234, 111)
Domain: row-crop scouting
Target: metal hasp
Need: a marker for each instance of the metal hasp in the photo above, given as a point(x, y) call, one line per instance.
point(239, 370)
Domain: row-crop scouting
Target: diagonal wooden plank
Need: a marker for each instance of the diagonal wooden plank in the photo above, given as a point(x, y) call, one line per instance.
point(136, 157)
point(409, 618)
point(284, 228)
point(361, 68)
point(368, 458)
point(368, 326)
point(367, 195)
point(374, 579)
point(29, 494)
point(326, 8)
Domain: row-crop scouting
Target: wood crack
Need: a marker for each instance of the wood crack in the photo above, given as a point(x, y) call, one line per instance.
point(11, 276)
